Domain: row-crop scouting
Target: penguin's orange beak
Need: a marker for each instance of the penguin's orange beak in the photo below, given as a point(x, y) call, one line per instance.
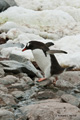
point(24, 49)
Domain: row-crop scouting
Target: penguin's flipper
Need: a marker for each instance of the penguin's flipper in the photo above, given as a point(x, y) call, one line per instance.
point(48, 44)
point(70, 68)
point(56, 51)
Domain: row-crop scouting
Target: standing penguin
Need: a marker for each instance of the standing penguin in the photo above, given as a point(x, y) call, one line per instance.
point(45, 58)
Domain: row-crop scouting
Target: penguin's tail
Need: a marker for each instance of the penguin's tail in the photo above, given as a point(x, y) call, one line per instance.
point(69, 68)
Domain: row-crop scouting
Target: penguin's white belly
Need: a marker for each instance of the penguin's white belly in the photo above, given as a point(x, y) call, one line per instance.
point(43, 61)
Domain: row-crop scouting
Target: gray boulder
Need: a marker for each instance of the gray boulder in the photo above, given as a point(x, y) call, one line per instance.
point(70, 99)
point(26, 65)
point(17, 67)
point(50, 110)
point(42, 95)
point(64, 84)
point(9, 79)
point(20, 45)
point(18, 94)
point(3, 5)
point(11, 2)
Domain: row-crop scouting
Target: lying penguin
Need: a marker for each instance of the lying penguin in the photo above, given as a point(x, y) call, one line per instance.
point(45, 58)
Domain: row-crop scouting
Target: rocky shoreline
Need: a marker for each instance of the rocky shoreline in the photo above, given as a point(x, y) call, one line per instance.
point(23, 98)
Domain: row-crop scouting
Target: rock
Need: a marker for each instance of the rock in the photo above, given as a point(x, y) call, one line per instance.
point(20, 86)
point(47, 94)
point(3, 5)
point(28, 65)
point(11, 2)
point(28, 80)
point(21, 75)
point(20, 45)
point(76, 90)
point(64, 84)
point(7, 99)
point(23, 65)
point(18, 94)
point(17, 58)
point(77, 95)
point(70, 99)
point(31, 92)
point(60, 93)
point(2, 102)
point(6, 115)
point(50, 110)
point(71, 76)
point(9, 79)
point(78, 85)
point(1, 71)
point(2, 40)
point(3, 88)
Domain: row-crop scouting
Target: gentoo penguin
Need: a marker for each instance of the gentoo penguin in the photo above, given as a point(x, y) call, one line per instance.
point(45, 58)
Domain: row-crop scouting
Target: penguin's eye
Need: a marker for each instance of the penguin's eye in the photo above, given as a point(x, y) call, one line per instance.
point(28, 44)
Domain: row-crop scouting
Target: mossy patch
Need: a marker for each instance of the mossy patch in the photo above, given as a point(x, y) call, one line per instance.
point(3, 20)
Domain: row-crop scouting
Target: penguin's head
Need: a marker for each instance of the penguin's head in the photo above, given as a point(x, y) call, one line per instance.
point(35, 45)
point(28, 46)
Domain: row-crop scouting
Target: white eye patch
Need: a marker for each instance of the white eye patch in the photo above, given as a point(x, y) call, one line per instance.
point(28, 44)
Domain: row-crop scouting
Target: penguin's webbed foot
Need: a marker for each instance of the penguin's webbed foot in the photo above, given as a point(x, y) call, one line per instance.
point(54, 82)
point(41, 79)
